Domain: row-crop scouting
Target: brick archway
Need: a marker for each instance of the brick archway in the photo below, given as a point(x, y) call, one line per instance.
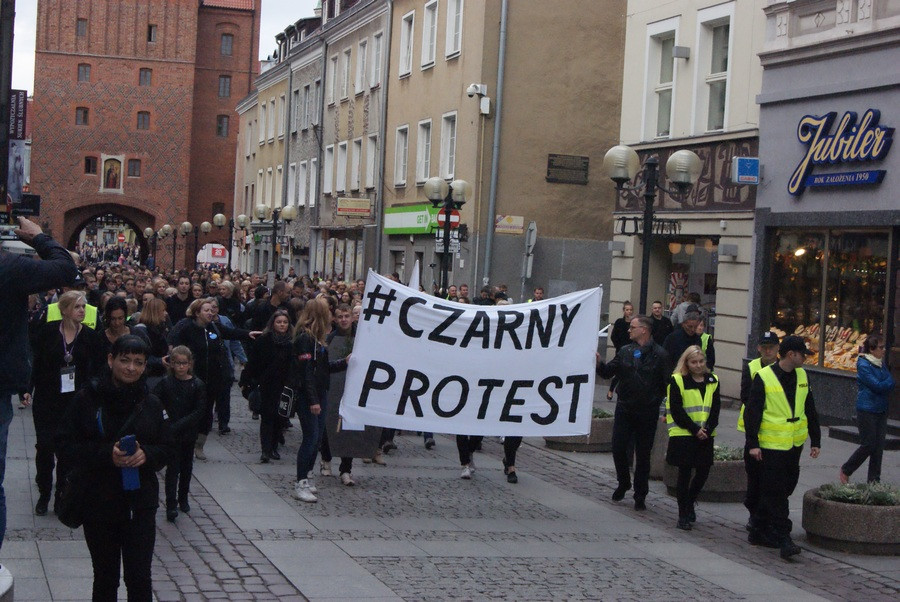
point(75, 220)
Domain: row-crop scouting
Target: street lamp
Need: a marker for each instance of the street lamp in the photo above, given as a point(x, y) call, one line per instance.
point(622, 164)
point(242, 222)
point(185, 228)
point(150, 235)
point(288, 214)
point(448, 197)
point(205, 227)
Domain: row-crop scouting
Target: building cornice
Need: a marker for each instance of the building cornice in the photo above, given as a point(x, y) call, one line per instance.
point(695, 140)
point(850, 44)
point(355, 19)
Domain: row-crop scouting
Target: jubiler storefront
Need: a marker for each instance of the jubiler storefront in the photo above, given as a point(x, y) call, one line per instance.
point(828, 214)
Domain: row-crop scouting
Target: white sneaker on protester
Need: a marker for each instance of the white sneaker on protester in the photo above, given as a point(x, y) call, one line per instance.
point(302, 492)
point(325, 469)
point(347, 480)
point(472, 463)
point(312, 486)
point(466, 473)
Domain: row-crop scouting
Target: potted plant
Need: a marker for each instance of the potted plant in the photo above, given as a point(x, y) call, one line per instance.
point(854, 518)
point(727, 480)
point(599, 439)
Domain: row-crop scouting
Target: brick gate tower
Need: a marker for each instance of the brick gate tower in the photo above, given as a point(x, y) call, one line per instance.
point(134, 112)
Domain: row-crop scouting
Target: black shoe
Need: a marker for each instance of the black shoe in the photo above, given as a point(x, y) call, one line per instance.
point(184, 506)
point(789, 548)
point(505, 467)
point(274, 454)
point(692, 515)
point(171, 515)
point(684, 524)
point(224, 430)
point(511, 477)
point(639, 504)
point(619, 494)
point(429, 443)
point(264, 458)
point(759, 538)
point(40, 509)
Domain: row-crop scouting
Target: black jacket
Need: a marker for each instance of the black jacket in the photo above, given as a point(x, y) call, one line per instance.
point(643, 373)
point(619, 335)
point(82, 444)
point(661, 329)
point(269, 367)
point(312, 370)
point(184, 402)
point(21, 276)
point(676, 343)
point(207, 345)
point(756, 403)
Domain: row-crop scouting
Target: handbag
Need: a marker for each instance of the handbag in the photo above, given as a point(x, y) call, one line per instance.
point(286, 403)
point(254, 400)
point(71, 504)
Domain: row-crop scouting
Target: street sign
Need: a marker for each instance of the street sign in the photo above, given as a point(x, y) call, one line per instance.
point(745, 170)
point(121, 237)
point(454, 218)
point(439, 242)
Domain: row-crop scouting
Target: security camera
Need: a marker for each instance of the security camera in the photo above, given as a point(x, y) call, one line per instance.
point(472, 90)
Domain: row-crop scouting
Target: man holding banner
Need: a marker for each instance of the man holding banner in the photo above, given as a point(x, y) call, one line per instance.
point(643, 369)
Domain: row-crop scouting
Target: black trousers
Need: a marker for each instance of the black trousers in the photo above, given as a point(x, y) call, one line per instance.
point(131, 542)
point(466, 445)
point(178, 473)
point(212, 394)
point(641, 428)
point(325, 450)
point(269, 428)
point(872, 433)
point(753, 468)
point(386, 435)
point(780, 473)
point(46, 459)
point(223, 405)
point(688, 489)
point(510, 447)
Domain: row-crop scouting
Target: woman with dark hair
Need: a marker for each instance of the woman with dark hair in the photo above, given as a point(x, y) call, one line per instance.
point(875, 385)
point(119, 524)
point(115, 319)
point(269, 369)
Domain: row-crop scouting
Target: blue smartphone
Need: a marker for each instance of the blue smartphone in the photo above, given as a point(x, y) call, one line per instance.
point(131, 480)
point(128, 444)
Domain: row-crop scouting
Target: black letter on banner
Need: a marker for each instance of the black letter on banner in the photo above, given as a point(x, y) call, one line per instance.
point(404, 312)
point(412, 395)
point(519, 317)
point(436, 335)
point(370, 383)
point(577, 380)
point(554, 407)
point(490, 383)
point(512, 401)
point(463, 396)
point(535, 323)
point(484, 333)
point(567, 321)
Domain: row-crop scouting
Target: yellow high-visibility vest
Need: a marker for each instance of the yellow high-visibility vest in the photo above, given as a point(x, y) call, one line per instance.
point(781, 429)
point(704, 341)
point(697, 407)
point(754, 367)
point(90, 315)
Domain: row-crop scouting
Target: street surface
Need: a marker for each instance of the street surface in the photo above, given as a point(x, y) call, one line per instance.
point(413, 530)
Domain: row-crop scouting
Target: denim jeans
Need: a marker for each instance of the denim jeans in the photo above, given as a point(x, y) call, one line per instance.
point(6, 416)
point(872, 434)
point(312, 428)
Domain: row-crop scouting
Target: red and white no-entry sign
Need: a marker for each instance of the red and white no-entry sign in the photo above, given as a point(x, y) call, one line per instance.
point(121, 237)
point(454, 218)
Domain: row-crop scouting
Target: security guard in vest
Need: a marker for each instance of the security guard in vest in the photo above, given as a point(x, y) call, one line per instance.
point(90, 311)
point(767, 347)
point(778, 417)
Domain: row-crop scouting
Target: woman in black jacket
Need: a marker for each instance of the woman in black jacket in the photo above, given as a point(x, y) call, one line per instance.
point(269, 368)
point(119, 525)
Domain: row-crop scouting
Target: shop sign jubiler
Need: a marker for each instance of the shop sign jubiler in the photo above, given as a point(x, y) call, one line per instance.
point(851, 142)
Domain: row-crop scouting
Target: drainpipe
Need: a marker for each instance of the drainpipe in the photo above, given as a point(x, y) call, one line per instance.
point(285, 170)
point(314, 218)
point(495, 152)
point(382, 132)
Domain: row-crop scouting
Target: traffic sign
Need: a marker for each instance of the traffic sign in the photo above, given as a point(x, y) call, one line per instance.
point(439, 242)
point(121, 237)
point(454, 218)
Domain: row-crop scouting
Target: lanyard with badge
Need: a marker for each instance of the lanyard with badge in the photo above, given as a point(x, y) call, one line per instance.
point(67, 373)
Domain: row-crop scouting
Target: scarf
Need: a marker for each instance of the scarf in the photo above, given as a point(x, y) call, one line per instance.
point(875, 361)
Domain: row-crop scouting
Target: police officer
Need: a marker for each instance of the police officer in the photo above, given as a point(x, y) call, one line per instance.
point(779, 416)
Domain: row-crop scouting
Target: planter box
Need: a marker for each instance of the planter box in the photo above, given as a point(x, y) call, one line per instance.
point(658, 454)
point(599, 439)
point(852, 528)
point(727, 482)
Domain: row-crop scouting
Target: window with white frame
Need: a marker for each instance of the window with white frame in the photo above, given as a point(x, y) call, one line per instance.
point(712, 65)
point(361, 67)
point(355, 160)
point(279, 178)
point(295, 111)
point(345, 76)
point(292, 183)
point(328, 172)
point(332, 78)
point(377, 46)
point(270, 188)
point(306, 107)
point(453, 43)
point(271, 119)
point(371, 150)
point(317, 99)
point(301, 184)
point(448, 145)
point(281, 105)
point(423, 152)
point(313, 181)
point(429, 33)
point(341, 184)
point(407, 26)
point(400, 152)
point(660, 83)
point(262, 122)
point(249, 137)
point(259, 186)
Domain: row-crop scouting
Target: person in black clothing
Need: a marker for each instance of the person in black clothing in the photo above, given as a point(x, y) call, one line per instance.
point(340, 345)
point(229, 303)
point(662, 326)
point(619, 337)
point(183, 397)
point(642, 367)
point(119, 525)
point(114, 319)
point(262, 311)
point(154, 323)
point(686, 335)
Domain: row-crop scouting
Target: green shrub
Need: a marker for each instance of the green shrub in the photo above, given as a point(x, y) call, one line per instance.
point(724, 453)
point(866, 494)
point(600, 413)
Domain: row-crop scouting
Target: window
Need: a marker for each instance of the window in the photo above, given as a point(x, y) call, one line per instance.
point(306, 107)
point(377, 45)
point(301, 184)
point(84, 72)
point(341, 184)
point(151, 33)
point(454, 27)
point(270, 121)
point(406, 41)
point(81, 115)
point(224, 86)
point(145, 77)
point(90, 165)
point(292, 183)
point(281, 116)
point(143, 120)
point(717, 78)
point(328, 172)
point(259, 187)
point(262, 122)
point(81, 27)
point(279, 179)
point(222, 126)
point(317, 99)
point(361, 69)
point(270, 188)
point(853, 266)
point(332, 79)
point(448, 146)
point(423, 152)
point(295, 111)
point(429, 33)
point(345, 76)
point(355, 159)
point(371, 149)
point(226, 44)
point(134, 168)
point(249, 138)
point(313, 181)
point(400, 150)
point(659, 87)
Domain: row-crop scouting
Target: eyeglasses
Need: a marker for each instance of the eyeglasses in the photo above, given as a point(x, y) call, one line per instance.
point(636, 327)
point(181, 363)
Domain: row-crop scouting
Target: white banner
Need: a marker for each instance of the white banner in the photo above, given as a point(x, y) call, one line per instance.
point(421, 363)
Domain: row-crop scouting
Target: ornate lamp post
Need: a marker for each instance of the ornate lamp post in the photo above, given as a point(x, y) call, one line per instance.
point(206, 228)
point(151, 237)
point(287, 214)
point(185, 228)
point(242, 222)
point(449, 197)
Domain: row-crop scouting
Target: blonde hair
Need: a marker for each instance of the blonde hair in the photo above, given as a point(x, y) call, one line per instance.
point(315, 320)
point(682, 367)
point(154, 313)
point(68, 300)
point(194, 308)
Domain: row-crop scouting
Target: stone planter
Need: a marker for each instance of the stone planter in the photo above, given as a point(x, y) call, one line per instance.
point(727, 482)
point(658, 454)
point(852, 528)
point(599, 439)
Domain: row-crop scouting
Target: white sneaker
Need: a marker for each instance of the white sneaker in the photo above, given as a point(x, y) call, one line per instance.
point(472, 463)
point(302, 492)
point(347, 480)
point(325, 469)
point(466, 473)
point(312, 486)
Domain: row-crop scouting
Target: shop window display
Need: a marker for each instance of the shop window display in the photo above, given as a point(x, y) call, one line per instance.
point(830, 287)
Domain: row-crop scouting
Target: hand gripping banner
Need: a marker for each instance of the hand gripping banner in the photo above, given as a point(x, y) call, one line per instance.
point(422, 363)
